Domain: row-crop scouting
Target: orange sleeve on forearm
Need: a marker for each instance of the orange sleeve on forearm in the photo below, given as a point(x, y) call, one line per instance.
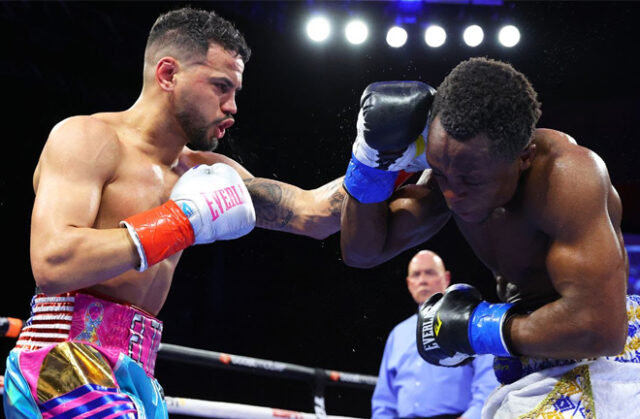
point(162, 231)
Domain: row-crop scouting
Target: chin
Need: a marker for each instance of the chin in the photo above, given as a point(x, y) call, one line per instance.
point(204, 145)
point(473, 217)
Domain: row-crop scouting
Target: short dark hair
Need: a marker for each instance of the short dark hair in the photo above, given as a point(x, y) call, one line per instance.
point(192, 30)
point(486, 96)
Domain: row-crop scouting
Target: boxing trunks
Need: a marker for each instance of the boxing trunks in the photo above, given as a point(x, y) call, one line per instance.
point(606, 387)
point(80, 356)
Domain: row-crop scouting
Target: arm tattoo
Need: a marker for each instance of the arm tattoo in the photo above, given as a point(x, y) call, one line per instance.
point(273, 203)
point(337, 196)
point(284, 207)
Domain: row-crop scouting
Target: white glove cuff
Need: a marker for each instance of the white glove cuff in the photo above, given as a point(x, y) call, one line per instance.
point(136, 240)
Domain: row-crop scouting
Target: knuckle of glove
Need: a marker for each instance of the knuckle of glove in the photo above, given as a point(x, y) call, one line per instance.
point(428, 341)
point(216, 201)
point(428, 329)
point(394, 113)
point(444, 323)
point(464, 290)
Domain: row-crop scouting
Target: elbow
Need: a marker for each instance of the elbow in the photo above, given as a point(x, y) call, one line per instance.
point(356, 257)
point(319, 235)
point(613, 341)
point(612, 331)
point(601, 345)
point(46, 279)
point(48, 288)
point(49, 275)
point(604, 339)
point(355, 261)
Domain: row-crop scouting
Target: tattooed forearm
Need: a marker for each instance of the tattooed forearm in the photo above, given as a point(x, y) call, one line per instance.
point(273, 203)
point(335, 193)
point(284, 207)
point(335, 203)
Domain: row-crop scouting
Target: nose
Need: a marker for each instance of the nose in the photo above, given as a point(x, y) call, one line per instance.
point(424, 278)
point(452, 197)
point(229, 106)
point(453, 193)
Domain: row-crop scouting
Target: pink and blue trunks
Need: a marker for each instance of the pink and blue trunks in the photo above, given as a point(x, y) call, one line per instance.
point(80, 356)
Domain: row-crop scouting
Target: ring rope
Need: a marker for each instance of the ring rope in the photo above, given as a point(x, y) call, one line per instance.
point(210, 409)
point(273, 368)
point(223, 410)
point(214, 409)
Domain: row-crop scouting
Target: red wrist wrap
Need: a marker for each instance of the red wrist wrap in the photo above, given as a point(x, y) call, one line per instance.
point(402, 178)
point(162, 231)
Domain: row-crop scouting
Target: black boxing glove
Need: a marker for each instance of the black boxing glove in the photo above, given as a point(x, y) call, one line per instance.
point(456, 325)
point(392, 118)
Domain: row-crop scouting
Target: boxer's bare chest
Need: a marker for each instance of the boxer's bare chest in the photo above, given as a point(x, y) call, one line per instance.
point(515, 251)
point(138, 185)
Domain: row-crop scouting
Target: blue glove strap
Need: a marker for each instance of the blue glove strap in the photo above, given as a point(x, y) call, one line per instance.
point(368, 184)
point(485, 329)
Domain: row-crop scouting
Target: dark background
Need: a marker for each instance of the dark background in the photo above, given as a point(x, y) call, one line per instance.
point(272, 295)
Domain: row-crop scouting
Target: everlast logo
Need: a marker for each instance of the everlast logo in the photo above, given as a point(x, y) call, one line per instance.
point(222, 200)
point(438, 325)
point(428, 341)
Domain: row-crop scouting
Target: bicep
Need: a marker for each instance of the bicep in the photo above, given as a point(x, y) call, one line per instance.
point(586, 260)
point(586, 266)
point(71, 176)
point(63, 199)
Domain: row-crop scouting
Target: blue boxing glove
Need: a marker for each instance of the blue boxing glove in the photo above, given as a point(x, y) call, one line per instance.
point(392, 117)
point(456, 325)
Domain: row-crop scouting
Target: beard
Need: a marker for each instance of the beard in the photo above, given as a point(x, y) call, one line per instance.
point(196, 129)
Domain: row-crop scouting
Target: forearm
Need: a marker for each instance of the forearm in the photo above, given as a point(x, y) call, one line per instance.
point(284, 207)
point(374, 233)
point(564, 330)
point(81, 257)
point(322, 210)
point(363, 232)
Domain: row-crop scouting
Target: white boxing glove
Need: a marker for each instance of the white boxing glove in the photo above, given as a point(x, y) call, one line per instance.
point(208, 203)
point(216, 201)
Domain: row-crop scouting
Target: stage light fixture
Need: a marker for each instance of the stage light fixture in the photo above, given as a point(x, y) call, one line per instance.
point(509, 36)
point(435, 36)
point(473, 35)
point(318, 29)
point(396, 37)
point(356, 32)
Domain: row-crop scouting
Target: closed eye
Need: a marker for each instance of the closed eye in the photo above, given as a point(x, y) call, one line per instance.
point(223, 84)
point(472, 181)
point(224, 88)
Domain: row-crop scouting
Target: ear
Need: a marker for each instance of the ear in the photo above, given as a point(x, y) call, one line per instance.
point(447, 278)
point(526, 156)
point(166, 69)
